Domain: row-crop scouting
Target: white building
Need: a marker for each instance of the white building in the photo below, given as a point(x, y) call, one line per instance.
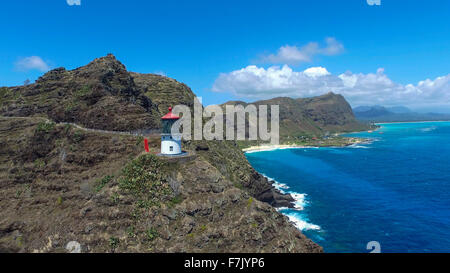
point(170, 145)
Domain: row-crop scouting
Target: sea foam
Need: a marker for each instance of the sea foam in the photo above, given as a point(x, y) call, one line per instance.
point(299, 204)
point(300, 223)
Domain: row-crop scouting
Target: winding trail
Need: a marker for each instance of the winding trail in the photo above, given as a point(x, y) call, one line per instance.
point(131, 133)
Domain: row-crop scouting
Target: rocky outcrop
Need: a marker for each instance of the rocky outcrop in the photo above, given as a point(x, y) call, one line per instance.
point(232, 163)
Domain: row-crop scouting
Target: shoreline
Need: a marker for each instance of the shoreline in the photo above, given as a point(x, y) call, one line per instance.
point(265, 148)
point(424, 121)
point(298, 204)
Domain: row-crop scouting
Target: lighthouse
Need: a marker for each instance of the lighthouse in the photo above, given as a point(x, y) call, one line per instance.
point(170, 144)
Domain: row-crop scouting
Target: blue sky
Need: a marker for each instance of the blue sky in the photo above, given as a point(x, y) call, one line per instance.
point(244, 49)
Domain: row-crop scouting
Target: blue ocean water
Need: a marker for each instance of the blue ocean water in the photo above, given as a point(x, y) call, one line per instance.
point(395, 190)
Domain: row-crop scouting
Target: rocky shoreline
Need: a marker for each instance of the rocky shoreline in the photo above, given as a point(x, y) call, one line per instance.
point(274, 196)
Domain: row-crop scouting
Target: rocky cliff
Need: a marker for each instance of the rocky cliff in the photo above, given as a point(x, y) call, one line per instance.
point(61, 181)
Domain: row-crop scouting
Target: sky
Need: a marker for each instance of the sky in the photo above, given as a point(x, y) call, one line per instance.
point(395, 53)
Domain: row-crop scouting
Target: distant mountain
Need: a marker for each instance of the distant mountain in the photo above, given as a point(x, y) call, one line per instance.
point(399, 109)
point(371, 111)
point(379, 113)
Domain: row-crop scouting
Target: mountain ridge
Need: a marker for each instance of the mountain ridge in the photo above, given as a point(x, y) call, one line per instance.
point(379, 113)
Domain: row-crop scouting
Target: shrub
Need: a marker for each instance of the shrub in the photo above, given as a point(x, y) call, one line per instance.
point(85, 90)
point(39, 163)
point(70, 106)
point(249, 202)
point(77, 136)
point(99, 184)
point(45, 127)
point(174, 201)
point(152, 234)
point(139, 140)
point(144, 177)
point(114, 242)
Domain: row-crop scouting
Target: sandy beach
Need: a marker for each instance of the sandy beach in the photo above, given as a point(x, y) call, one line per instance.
point(269, 147)
point(273, 147)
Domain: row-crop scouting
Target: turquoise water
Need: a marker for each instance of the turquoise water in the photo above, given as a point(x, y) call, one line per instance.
point(394, 190)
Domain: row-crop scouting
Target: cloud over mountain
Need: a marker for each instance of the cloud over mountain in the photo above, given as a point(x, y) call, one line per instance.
point(373, 88)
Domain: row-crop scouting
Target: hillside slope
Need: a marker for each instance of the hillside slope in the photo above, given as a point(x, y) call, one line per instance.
point(60, 183)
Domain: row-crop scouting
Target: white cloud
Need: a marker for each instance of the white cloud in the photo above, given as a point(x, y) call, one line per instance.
point(316, 72)
point(73, 2)
point(294, 55)
point(32, 63)
point(360, 89)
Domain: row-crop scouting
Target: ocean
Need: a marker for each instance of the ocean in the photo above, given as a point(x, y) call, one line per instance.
point(394, 190)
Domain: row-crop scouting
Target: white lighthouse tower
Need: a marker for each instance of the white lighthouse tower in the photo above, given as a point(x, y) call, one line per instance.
point(170, 144)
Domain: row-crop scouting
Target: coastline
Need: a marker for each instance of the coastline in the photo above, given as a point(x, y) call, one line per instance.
point(424, 121)
point(265, 148)
point(298, 204)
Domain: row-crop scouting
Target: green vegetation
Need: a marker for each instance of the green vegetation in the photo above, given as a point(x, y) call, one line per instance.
point(115, 198)
point(174, 201)
point(39, 163)
point(249, 202)
point(99, 184)
point(145, 178)
point(24, 189)
point(70, 106)
point(77, 136)
point(67, 128)
point(238, 185)
point(59, 200)
point(152, 234)
point(19, 241)
point(85, 90)
point(139, 141)
point(114, 242)
point(4, 91)
point(7, 94)
point(45, 127)
point(130, 232)
point(203, 228)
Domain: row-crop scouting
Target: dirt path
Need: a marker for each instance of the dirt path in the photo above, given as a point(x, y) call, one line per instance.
point(132, 133)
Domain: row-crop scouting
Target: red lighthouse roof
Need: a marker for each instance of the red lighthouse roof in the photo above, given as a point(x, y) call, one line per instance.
point(170, 115)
